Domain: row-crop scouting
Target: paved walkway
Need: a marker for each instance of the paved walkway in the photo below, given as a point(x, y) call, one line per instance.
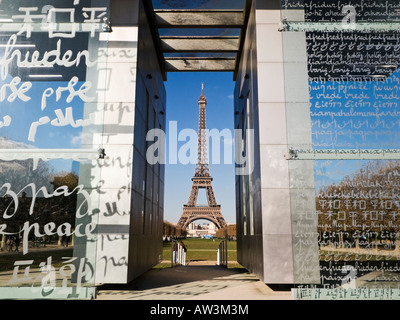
point(197, 281)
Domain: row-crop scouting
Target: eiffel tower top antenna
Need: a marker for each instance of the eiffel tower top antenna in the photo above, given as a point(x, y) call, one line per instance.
point(202, 99)
point(202, 168)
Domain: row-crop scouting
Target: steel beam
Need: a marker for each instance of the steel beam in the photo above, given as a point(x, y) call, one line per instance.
point(199, 64)
point(199, 44)
point(199, 18)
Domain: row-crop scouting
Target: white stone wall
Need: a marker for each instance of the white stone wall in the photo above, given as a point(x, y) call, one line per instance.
point(282, 189)
point(276, 218)
point(130, 217)
point(116, 169)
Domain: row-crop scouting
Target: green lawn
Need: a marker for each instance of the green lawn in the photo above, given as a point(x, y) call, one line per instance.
point(201, 250)
point(198, 250)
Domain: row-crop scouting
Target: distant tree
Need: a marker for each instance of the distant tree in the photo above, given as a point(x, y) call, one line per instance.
point(170, 230)
point(19, 174)
point(227, 232)
point(64, 208)
point(167, 226)
point(69, 179)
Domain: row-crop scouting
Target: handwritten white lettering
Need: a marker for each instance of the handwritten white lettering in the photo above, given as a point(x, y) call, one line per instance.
point(49, 58)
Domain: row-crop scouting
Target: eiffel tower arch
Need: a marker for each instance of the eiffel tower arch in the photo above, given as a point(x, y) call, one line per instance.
point(202, 180)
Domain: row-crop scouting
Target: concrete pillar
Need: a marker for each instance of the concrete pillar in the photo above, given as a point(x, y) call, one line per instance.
point(275, 191)
point(287, 186)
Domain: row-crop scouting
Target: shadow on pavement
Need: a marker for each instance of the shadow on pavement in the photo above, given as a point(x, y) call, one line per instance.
point(181, 282)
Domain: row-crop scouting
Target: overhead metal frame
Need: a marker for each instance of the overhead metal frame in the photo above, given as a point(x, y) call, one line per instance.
point(190, 52)
point(195, 18)
point(199, 64)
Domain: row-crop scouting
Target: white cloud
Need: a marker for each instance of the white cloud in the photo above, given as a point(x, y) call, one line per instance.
point(10, 144)
point(76, 140)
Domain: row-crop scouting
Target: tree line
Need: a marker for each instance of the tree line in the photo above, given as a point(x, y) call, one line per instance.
point(171, 230)
point(228, 232)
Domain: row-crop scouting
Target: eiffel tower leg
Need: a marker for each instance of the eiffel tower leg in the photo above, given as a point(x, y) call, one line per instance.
point(182, 220)
point(193, 195)
point(211, 213)
point(210, 196)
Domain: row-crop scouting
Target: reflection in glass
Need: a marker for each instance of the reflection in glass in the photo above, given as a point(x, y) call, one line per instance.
point(52, 80)
point(353, 90)
point(366, 11)
point(358, 221)
point(39, 210)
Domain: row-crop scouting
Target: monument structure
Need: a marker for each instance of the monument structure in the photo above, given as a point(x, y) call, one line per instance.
point(202, 180)
point(316, 109)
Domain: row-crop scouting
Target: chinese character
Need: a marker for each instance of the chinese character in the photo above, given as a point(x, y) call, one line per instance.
point(28, 18)
point(92, 18)
point(53, 24)
point(25, 277)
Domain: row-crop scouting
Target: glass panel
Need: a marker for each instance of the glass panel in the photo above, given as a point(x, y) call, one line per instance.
point(358, 226)
point(341, 82)
point(52, 82)
point(322, 11)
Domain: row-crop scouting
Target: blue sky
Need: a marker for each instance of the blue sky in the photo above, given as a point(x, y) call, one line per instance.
point(183, 91)
point(356, 115)
point(47, 136)
point(373, 124)
point(353, 115)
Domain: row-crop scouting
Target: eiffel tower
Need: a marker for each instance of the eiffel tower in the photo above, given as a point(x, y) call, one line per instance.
point(202, 180)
